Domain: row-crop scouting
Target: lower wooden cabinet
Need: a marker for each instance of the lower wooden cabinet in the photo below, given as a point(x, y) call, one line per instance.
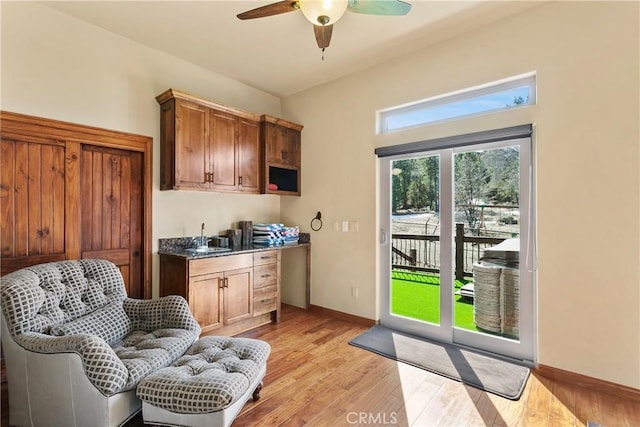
point(237, 295)
point(227, 294)
point(266, 282)
point(204, 300)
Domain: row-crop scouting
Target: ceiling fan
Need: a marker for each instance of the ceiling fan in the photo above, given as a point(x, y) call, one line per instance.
point(324, 13)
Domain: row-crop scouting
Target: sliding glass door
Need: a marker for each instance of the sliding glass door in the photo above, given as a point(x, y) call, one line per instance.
point(455, 245)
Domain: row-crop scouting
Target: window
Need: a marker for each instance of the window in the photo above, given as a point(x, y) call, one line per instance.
point(501, 95)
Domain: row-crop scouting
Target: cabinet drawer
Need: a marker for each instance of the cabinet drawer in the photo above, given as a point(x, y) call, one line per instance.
point(265, 257)
point(222, 263)
point(265, 300)
point(264, 275)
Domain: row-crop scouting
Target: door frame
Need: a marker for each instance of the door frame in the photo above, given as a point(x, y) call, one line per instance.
point(525, 349)
point(15, 125)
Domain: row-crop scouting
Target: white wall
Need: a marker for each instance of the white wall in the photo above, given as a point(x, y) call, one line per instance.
point(58, 67)
point(586, 55)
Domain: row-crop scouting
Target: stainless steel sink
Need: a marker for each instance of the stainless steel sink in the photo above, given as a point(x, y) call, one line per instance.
point(204, 251)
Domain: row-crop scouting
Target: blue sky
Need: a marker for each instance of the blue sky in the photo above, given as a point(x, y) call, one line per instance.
point(434, 113)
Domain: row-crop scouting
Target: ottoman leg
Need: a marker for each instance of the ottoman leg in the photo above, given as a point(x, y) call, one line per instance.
point(256, 392)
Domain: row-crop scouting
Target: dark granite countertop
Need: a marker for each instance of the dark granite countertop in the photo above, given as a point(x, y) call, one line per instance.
point(191, 254)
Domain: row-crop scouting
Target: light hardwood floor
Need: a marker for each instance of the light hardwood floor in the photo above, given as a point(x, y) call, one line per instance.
point(315, 378)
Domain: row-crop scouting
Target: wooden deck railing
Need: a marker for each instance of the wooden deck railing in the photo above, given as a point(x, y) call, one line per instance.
point(421, 252)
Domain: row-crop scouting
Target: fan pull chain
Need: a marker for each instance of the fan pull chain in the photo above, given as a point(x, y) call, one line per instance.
point(323, 54)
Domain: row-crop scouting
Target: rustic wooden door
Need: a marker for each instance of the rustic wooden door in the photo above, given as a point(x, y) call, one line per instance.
point(32, 203)
point(112, 211)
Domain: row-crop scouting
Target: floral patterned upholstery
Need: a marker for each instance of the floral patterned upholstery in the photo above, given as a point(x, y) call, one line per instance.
point(81, 306)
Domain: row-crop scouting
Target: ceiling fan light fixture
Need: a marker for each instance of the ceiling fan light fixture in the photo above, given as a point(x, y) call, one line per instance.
point(323, 12)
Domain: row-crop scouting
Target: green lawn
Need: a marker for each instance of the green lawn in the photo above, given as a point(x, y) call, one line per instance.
point(417, 295)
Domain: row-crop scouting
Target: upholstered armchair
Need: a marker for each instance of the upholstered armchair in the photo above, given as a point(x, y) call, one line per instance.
point(76, 347)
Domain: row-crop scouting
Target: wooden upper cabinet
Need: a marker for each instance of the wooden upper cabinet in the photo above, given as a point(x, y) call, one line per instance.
point(223, 150)
point(249, 154)
point(282, 163)
point(207, 146)
point(282, 144)
point(191, 124)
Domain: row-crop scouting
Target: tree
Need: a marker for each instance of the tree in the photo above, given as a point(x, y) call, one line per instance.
point(400, 174)
point(471, 178)
point(518, 100)
point(424, 186)
point(503, 166)
point(415, 183)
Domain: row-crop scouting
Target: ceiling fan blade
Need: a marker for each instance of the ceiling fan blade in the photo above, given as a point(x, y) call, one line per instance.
point(323, 35)
point(379, 7)
point(270, 10)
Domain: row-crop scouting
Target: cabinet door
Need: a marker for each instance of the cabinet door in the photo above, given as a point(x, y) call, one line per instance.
point(204, 302)
point(222, 150)
point(273, 143)
point(191, 149)
point(282, 145)
point(290, 146)
point(249, 156)
point(238, 295)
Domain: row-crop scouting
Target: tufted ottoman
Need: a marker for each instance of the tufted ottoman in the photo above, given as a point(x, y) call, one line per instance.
point(208, 386)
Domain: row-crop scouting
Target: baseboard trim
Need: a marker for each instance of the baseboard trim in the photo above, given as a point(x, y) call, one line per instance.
point(617, 390)
point(340, 315)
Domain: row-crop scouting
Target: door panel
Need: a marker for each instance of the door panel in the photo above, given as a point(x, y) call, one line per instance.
point(191, 155)
point(416, 243)
point(32, 203)
point(204, 294)
point(238, 295)
point(249, 156)
point(283, 146)
point(222, 150)
point(111, 211)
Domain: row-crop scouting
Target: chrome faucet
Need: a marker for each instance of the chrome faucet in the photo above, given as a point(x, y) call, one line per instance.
point(202, 235)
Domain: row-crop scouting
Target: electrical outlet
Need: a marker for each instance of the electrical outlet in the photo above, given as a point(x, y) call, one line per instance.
point(354, 292)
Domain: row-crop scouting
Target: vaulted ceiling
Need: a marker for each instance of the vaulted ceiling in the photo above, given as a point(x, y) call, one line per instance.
point(278, 54)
